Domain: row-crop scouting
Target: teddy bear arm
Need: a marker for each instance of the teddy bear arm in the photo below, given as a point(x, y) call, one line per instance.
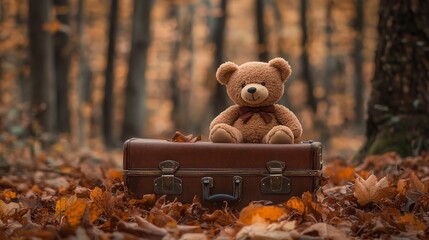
point(288, 118)
point(229, 116)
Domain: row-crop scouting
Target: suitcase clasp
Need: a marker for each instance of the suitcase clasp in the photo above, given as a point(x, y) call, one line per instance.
point(168, 183)
point(275, 182)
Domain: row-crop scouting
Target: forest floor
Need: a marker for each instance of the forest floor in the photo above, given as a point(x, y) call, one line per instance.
point(62, 192)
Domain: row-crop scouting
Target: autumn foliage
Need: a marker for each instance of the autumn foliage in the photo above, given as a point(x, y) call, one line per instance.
point(65, 193)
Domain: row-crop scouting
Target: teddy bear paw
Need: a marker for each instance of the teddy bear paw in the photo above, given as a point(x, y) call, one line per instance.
point(279, 135)
point(224, 133)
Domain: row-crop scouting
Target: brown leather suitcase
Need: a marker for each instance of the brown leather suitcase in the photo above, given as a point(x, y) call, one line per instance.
point(219, 172)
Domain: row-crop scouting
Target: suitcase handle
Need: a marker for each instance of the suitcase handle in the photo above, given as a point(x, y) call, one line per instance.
point(207, 183)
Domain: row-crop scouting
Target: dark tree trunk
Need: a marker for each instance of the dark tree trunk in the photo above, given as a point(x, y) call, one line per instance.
point(306, 70)
point(220, 98)
point(262, 44)
point(357, 57)
point(42, 65)
point(135, 89)
point(84, 75)
point(62, 65)
point(108, 100)
point(398, 109)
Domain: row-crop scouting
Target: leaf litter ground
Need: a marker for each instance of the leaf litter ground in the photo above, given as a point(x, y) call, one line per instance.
point(66, 193)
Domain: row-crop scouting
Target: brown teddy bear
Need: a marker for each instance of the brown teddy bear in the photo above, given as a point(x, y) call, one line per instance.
point(255, 87)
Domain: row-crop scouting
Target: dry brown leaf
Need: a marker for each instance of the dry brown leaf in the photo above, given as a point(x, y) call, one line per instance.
point(274, 231)
point(325, 231)
point(114, 173)
point(3, 209)
point(258, 213)
point(296, 204)
point(61, 207)
point(410, 220)
point(75, 212)
point(160, 219)
point(369, 190)
point(95, 211)
point(180, 137)
point(416, 184)
point(149, 227)
point(8, 195)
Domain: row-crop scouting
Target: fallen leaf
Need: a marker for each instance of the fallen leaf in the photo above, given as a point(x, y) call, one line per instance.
point(369, 190)
point(75, 212)
point(325, 231)
point(259, 213)
point(8, 195)
point(409, 220)
point(61, 207)
point(296, 204)
point(114, 173)
point(180, 137)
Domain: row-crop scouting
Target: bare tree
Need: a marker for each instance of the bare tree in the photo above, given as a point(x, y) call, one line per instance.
point(305, 62)
point(42, 64)
point(135, 89)
point(108, 100)
point(357, 56)
point(62, 57)
point(398, 109)
point(262, 42)
point(220, 98)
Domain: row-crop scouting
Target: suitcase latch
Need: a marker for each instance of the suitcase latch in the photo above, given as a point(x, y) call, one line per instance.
point(168, 183)
point(275, 182)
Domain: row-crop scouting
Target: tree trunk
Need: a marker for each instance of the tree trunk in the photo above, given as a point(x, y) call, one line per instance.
point(398, 109)
point(357, 57)
point(84, 76)
point(108, 101)
point(135, 89)
point(62, 65)
point(306, 72)
point(42, 65)
point(262, 43)
point(174, 78)
point(220, 98)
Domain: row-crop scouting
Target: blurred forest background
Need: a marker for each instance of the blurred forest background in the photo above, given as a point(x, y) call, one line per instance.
point(97, 72)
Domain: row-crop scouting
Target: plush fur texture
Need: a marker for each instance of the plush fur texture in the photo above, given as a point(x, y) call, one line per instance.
point(255, 84)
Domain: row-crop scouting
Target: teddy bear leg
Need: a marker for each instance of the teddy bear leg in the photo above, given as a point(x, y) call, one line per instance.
point(224, 133)
point(279, 135)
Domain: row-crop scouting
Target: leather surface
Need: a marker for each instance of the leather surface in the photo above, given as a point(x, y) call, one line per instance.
point(146, 154)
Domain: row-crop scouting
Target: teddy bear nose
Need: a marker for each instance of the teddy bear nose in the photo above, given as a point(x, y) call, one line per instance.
point(251, 90)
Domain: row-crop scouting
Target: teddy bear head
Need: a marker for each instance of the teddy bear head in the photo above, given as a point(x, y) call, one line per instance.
point(254, 84)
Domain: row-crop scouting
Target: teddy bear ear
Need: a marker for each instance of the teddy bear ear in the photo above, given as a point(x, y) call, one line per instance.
point(282, 66)
point(225, 71)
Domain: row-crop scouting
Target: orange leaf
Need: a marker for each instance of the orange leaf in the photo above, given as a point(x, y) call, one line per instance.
point(75, 212)
point(96, 195)
point(180, 137)
point(3, 209)
point(94, 212)
point(9, 195)
point(259, 213)
point(296, 204)
point(60, 207)
point(410, 220)
point(114, 173)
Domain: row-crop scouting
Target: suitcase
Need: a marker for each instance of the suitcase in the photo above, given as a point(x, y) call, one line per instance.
point(219, 172)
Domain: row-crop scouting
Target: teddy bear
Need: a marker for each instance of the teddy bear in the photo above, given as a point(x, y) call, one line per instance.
point(255, 88)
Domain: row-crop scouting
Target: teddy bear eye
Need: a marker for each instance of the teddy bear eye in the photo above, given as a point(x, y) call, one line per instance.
point(263, 83)
point(243, 85)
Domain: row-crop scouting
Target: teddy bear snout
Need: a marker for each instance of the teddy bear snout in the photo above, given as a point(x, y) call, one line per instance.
point(254, 93)
point(251, 90)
